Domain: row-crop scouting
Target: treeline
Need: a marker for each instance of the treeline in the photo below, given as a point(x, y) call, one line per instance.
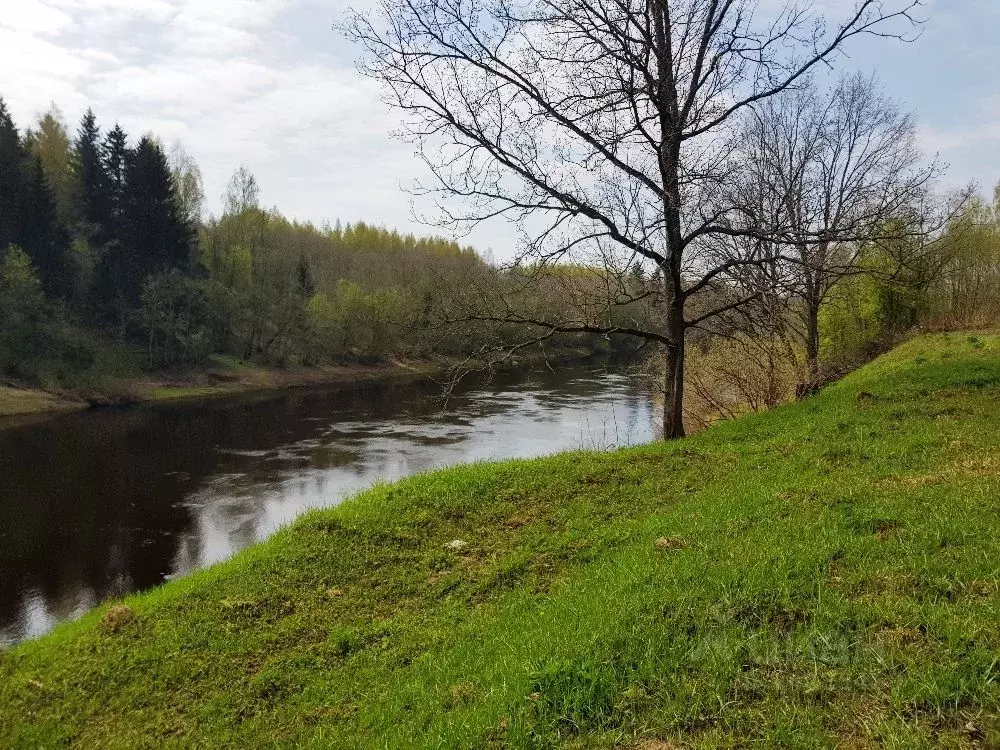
point(106, 262)
point(86, 222)
point(950, 283)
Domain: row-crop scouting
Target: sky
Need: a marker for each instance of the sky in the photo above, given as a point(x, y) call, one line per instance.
point(268, 84)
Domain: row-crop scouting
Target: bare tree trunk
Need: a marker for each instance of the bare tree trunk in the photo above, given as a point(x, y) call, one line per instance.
point(812, 382)
point(673, 380)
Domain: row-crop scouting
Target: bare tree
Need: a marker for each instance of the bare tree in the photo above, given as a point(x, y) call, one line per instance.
point(188, 182)
point(242, 191)
point(603, 126)
point(834, 172)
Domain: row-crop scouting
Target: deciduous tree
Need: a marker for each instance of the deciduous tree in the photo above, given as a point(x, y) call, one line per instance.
point(604, 128)
point(834, 171)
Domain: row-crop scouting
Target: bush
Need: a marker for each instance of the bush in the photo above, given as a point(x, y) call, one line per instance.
point(175, 317)
point(37, 344)
point(729, 376)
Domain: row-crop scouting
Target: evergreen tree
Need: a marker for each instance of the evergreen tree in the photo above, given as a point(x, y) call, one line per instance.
point(92, 179)
point(114, 157)
point(305, 287)
point(117, 291)
point(156, 237)
point(42, 235)
point(28, 214)
point(11, 179)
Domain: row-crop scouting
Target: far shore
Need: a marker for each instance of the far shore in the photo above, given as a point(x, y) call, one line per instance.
point(21, 403)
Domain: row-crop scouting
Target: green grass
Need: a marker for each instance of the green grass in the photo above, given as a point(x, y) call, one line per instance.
point(24, 401)
point(826, 576)
point(168, 393)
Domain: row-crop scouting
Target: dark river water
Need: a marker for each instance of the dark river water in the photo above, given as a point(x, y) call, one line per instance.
point(101, 503)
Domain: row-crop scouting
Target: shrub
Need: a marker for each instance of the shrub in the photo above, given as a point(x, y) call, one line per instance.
point(175, 317)
point(37, 344)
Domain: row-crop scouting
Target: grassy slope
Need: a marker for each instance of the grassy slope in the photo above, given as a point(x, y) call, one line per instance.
point(829, 577)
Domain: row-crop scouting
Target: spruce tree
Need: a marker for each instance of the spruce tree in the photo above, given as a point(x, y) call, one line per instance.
point(156, 237)
point(116, 292)
point(92, 179)
point(42, 235)
point(28, 215)
point(114, 157)
point(11, 179)
point(305, 286)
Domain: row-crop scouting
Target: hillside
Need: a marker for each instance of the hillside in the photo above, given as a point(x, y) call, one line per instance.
point(822, 575)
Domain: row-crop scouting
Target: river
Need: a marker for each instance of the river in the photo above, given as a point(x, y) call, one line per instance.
point(102, 503)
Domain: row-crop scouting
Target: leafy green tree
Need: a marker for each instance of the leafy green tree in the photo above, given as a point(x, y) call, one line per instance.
point(175, 318)
point(36, 344)
point(967, 293)
point(24, 311)
point(188, 183)
point(50, 142)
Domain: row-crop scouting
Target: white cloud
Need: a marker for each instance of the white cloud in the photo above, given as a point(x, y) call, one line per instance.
point(34, 17)
point(231, 82)
point(266, 83)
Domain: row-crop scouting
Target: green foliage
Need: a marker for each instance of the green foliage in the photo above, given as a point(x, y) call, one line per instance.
point(113, 232)
point(281, 289)
point(11, 158)
point(92, 180)
point(50, 143)
point(36, 343)
point(349, 323)
point(951, 281)
point(190, 190)
point(28, 212)
point(155, 236)
point(175, 317)
point(889, 295)
point(305, 286)
point(829, 580)
point(966, 294)
point(23, 299)
point(852, 320)
point(43, 237)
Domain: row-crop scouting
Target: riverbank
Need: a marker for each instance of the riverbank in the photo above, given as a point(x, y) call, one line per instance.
point(20, 402)
point(229, 377)
point(821, 575)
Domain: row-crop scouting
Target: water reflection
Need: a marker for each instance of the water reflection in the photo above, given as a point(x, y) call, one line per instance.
point(102, 503)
